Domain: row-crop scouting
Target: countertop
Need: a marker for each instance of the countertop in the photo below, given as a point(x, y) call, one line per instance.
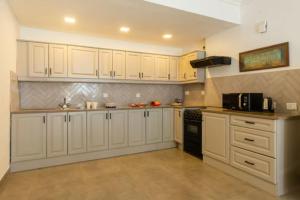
point(262, 115)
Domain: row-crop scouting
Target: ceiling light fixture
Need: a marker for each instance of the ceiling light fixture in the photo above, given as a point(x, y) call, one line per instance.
point(70, 20)
point(167, 36)
point(124, 29)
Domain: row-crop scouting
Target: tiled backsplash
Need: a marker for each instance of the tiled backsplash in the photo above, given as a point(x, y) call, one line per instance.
point(35, 95)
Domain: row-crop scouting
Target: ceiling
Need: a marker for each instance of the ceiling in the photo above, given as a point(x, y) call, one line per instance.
point(103, 18)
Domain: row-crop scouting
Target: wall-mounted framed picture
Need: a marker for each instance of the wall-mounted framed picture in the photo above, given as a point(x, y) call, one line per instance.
point(265, 58)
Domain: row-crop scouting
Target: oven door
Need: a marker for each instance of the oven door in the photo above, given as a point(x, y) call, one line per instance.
point(193, 137)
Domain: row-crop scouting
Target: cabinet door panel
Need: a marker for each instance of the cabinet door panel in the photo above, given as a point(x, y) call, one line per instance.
point(148, 67)
point(118, 129)
point(154, 126)
point(28, 138)
point(105, 63)
point(38, 59)
point(168, 124)
point(97, 131)
point(174, 63)
point(77, 132)
point(133, 65)
point(119, 68)
point(178, 120)
point(82, 62)
point(191, 72)
point(162, 64)
point(137, 127)
point(57, 134)
point(58, 60)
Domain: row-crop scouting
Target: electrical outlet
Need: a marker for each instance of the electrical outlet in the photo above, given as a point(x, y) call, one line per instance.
point(202, 92)
point(105, 95)
point(187, 93)
point(291, 106)
point(138, 95)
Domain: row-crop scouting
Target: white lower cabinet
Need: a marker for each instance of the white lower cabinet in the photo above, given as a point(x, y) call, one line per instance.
point(57, 134)
point(28, 137)
point(137, 127)
point(168, 124)
point(154, 126)
point(118, 129)
point(97, 131)
point(77, 132)
point(178, 121)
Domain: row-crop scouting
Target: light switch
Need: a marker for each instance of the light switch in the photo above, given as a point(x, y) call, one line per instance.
point(105, 95)
point(291, 106)
point(202, 92)
point(187, 93)
point(138, 95)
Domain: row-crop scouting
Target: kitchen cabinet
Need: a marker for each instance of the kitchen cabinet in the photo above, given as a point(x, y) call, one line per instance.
point(168, 124)
point(178, 121)
point(28, 137)
point(154, 126)
point(137, 127)
point(82, 62)
point(119, 68)
point(148, 67)
point(58, 60)
point(133, 66)
point(105, 63)
point(97, 131)
point(38, 59)
point(191, 73)
point(162, 67)
point(118, 129)
point(186, 72)
point(173, 70)
point(76, 132)
point(57, 134)
point(215, 136)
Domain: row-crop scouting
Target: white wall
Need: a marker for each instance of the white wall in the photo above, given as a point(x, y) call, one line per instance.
point(43, 35)
point(283, 19)
point(8, 35)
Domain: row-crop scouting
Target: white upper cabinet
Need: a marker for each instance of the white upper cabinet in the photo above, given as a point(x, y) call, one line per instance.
point(137, 127)
point(58, 60)
point(182, 69)
point(162, 64)
point(118, 125)
point(154, 126)
point(133, 65)
point(119, 68)
point(105, 63)
point(38, 59)
point(82, 62)
point(174, 63)
point(148, 67)
point(191, 72)
point(186, 71)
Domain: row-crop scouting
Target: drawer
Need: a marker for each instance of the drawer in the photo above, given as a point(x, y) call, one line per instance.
point(255, 123)
point(258, 165)
point(262, 142)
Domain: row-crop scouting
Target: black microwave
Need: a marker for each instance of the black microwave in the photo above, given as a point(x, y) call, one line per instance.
point(250, 102)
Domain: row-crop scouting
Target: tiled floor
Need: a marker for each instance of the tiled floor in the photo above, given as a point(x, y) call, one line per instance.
point(169, 174)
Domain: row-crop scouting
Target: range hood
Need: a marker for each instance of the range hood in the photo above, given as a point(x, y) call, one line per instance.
point(212, 61)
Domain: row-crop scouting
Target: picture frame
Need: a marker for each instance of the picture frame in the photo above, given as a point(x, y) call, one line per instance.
point(265, 58)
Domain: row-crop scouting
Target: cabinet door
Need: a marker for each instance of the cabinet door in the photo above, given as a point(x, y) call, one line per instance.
point(154, 126)
point(77, 132)
point(97, 131)
point(105, 63)
point(57, 134)
point(38, 59)
point(82, 62)
point(174, 63)
point(148, 67)
point(137, 127)
point(58, 60)
point(182, 68)
point(133, 66)
point(191, 72)
point(28, 137)
point(118, 129)
point(178, 120)
point(162, 64)
point(168, 124)
point(119, 69)
point(216, 136)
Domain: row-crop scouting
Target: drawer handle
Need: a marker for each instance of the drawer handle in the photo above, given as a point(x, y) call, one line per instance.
point(248, 122)
point(249, 163)
point(249, 140)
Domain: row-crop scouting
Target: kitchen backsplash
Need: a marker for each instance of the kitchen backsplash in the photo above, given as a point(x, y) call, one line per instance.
point(282, 86)
point(35, 95)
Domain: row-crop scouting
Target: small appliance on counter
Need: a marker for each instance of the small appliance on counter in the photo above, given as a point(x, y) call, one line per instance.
point(110, 105)
point(177, 102)
point(155, 103)
point(137, 105)
point(249, 102)
point(268, 105)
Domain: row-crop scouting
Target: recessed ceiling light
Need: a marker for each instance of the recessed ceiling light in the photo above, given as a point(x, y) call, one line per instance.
point(70, 20)
point(124, 29)
point(167, 36)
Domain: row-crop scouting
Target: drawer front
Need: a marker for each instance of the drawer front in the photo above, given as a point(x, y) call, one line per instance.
point(255, 123)
point(258, 165)
point(262, 142)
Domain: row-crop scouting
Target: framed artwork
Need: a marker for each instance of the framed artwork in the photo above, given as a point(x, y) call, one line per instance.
point(265, 58)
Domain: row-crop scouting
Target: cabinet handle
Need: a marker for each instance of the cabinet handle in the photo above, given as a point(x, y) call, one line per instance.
point(114, 73)
point(109, 115)
point(44, 119)
point(184, 76)
point(142, 74)
point(194, 74)
point(106, 115)
point(46, 71)
point(69, 118)
point(50, 71)
point(144, 113)
point(139, 74)
point(96, 72)
point(248, 122)
point(249, 163)
point(179, 113)
point(65, 118)
point(169, 77)
point(148, 114)
point(249, 140)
